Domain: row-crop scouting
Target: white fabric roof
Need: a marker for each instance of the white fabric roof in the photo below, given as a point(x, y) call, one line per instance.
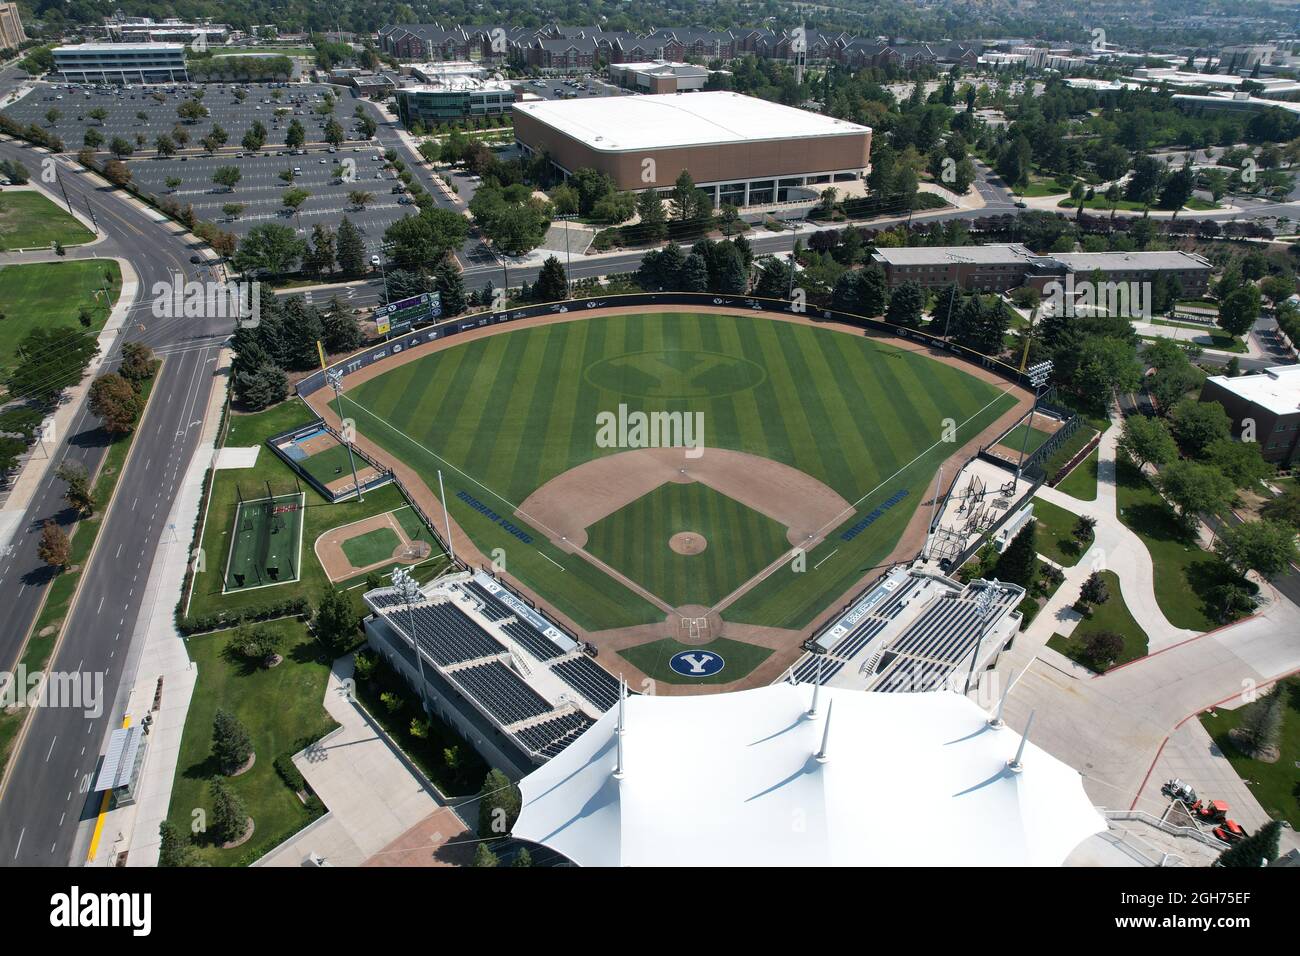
point(614, 123)
point(732, 780)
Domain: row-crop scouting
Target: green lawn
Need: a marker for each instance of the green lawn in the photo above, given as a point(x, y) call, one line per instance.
point(1111, 616)
point(331, 464)
point(1043, 187)
point(30, 221)
point(282, 708)
point(503, 414)
point(46, 294)
point(1053, 538)
point(740, 542)
point(1219, 340)
point(1183, 572)
point(371, 547)
point(652, 659)
point(1275, 785)
point(319, 516)
point(1016, 438)
point(1068, 448)
point(1081, 483)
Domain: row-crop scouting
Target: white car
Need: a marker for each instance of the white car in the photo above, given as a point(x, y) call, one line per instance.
point(374, 262)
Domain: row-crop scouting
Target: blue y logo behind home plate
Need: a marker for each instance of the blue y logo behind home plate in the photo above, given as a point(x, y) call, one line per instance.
point(696, 663)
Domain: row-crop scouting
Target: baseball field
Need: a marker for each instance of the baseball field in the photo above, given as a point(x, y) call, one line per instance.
point(816, 448)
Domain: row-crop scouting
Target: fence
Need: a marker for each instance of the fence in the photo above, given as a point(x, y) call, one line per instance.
point(334, 497)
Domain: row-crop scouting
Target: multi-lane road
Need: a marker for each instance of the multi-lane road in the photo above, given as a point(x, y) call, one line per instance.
point(45, 809)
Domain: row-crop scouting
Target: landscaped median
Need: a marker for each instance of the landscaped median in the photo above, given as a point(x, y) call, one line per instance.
point(62, 591)
point(1110, 616)
point(28, 220)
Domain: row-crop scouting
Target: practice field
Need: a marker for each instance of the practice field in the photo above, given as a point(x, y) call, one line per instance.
point(266, 543)
point(810, 435)
point(47, 294)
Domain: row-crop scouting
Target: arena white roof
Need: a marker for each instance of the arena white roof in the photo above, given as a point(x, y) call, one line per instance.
point(733, 779)
point(620, 123)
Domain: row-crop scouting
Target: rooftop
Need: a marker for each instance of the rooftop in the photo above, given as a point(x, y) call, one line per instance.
point(119, 47)
point(1276, 389)
point(1118, 261)
point(615, 124)
point(930, 255)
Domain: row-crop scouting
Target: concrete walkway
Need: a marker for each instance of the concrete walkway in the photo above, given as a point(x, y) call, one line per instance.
point(374, 796)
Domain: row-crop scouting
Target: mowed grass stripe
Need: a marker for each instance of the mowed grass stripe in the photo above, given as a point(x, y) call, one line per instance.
point(857, 382)
point(834, 432)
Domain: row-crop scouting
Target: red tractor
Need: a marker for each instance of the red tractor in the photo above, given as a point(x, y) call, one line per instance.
point(1230, 832)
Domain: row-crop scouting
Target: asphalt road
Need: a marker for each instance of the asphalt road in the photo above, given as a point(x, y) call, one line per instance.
point(46, 798)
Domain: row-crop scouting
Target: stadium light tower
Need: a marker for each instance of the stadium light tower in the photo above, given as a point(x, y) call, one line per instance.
point(984, 603)
point(335, 378)
point(409, 591)
point(1038, 376)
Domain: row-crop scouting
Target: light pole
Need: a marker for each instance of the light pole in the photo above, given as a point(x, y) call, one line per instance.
point(794, 224)
point(335, 378)
point(1038, 374)
point(568, 259)
point(984, 604)
point(409, 591)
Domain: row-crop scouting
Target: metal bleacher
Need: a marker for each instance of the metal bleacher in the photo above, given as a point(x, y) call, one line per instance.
point(501, 691)
point(520, 631)
point(446, 633)
point(549, 737)
point(589, 679)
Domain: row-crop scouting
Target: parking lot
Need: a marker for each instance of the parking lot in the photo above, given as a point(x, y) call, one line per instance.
point(158, 104)
point(328, 177)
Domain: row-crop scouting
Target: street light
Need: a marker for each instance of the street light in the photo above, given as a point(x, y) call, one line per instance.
point(334, 377)
point(794, 224)
point(409, 591)
point(984, 603)
point(1038, 374)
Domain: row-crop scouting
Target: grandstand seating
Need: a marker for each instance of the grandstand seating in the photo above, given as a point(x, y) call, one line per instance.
point(446, 633)
point(589, 679)
point(520, 631)
point(549, 737)
point(501, 691)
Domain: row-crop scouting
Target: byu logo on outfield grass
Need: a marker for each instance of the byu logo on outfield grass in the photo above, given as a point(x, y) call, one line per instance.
point(637, 429)
point(180, 299)
point(696, 663)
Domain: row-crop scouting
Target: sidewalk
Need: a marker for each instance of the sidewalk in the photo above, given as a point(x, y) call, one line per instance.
point(164, 666)
point(372, 794)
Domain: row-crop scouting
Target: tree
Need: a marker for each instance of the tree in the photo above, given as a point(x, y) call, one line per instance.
point(1197, 425)
point(295, 135)
point(653, 226)
point(54, 547)
point(359, 198)
point(292, 199)
point(1259, 730)
point(773, 280)
point(79, 494)
point(424, 240)
point(351, 249)
point(682, 197)
point(484, 857)
point(93, 138)
point(116, 402)
point(258, 644)
point(269, 247)
point(164, 145)
point(451, 289)
point(1101, 649)
point(227, 176)
point(342, 331)
point(1084, 527)
point(191, 111)
point(335, 621)
point(1258, 849)
point(232, 210)
point(1239, 310)
point(1263, 546)
point(523, 858)
point(138, 363)
point(1017, 563)
point(231, 745)
point(1146, 441)
point(694, 274)
point(50, 358)
point(552, 283)
point(229, 818)
point(1094, 590)
point(906, 304)
point(260, 386)
point(1285, 508)
point(1194, 489)
point(120, 147)
point(174, 849)
point(499, 805)
point(320, 257)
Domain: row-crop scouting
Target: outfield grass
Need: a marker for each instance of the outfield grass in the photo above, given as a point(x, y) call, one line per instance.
point(1081, 483)
point(1054, 539)
point(30, 221)
point(371, 547)
point(652, 659)
point(740, 542)
point(1112, 616)
point(502, 415)
point(319, 516)
point(49, 294)
point(281, 707)
point(1184, 573)
point(1275, 785)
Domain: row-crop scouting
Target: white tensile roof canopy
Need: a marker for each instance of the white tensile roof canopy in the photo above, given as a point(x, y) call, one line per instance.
point(736, 780)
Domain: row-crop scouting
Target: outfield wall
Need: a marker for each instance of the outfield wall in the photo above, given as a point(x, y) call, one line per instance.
point(702, 300)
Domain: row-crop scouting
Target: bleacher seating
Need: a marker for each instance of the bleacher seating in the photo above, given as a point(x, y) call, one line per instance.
point(520, 631)
point(446, 634)
point(589, 679)
point(549, 737)
point(501, 692)
point(493, 608)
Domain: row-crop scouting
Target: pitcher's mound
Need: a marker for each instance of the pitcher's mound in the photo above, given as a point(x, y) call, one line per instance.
point(687, 542)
